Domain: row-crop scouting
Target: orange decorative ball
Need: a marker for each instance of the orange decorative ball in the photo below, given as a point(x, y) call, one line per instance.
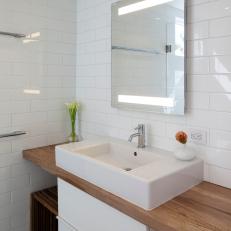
point(181, 137)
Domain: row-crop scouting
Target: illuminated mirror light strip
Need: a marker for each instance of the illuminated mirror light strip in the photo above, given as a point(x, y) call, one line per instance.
point(31, 92)
point(140, 6)
point(29, 41)
point(145, 100)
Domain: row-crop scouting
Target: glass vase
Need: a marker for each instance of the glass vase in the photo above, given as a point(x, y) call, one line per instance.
point(73, 136)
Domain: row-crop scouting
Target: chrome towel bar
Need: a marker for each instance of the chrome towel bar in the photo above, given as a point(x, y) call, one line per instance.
point(155, 52)
point(10, 134)
point(12, 34)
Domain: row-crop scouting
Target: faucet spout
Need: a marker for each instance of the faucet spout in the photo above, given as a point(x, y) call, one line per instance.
point(132, 136)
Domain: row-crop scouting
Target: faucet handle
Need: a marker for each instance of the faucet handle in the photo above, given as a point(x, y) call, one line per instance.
point(137, 128)
point(140, 127)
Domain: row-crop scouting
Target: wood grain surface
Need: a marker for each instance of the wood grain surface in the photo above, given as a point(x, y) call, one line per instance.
point(206, 207)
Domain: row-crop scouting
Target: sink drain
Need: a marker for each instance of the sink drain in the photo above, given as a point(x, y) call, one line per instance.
point(127, 169)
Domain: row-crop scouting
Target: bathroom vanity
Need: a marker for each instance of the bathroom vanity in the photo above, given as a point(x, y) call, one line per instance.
point(204, 207)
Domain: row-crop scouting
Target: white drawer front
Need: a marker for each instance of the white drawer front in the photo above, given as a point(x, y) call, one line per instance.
point(86, 213)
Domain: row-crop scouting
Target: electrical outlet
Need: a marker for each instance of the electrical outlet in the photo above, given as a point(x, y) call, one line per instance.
point(198, 136)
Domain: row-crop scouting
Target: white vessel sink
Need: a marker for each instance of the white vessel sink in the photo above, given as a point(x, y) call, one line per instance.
point(146, 177)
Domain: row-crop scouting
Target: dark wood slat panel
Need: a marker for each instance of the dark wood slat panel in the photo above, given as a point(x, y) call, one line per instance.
point(44, 209)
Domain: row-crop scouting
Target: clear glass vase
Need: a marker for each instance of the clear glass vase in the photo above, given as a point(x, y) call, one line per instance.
point(73, 136)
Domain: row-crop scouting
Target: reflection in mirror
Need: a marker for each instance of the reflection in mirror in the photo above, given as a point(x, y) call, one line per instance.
point(148, 55)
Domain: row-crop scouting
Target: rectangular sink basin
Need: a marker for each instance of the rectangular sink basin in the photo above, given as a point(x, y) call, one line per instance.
point(145, 177)
point(118, 156)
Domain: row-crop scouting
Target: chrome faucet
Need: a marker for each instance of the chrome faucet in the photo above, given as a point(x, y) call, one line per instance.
point(140, 134)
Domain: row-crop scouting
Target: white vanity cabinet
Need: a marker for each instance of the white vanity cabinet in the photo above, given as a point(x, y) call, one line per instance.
point(78, 211)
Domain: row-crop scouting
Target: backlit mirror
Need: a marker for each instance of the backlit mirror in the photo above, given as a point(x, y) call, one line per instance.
point(148, 55)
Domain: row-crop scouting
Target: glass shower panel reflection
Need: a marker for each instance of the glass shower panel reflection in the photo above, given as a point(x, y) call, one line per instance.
point(139, 57)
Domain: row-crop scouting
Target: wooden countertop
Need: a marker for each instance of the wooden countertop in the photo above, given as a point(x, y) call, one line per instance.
point(206, 207)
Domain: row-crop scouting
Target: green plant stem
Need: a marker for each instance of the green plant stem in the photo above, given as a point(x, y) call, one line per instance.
point(72, 113)
point(73, 133)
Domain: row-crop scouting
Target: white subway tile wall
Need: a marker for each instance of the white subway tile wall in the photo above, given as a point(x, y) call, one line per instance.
point(208, 87)
point(44, 61)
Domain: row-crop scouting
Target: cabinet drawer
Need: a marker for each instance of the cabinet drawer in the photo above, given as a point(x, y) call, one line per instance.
point(86, 213)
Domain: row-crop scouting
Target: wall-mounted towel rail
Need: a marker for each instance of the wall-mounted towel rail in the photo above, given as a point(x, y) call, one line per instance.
point(16, 35)
point(10, 134)
point(155, 52)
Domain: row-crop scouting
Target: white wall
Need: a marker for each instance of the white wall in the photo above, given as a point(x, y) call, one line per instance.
point(208, 90)
point(47, 65)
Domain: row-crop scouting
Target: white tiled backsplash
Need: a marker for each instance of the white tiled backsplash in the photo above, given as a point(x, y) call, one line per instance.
point(208, 87)
point(45, 63)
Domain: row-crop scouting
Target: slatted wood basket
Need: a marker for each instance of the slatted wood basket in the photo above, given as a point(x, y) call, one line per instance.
point(44, 210)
